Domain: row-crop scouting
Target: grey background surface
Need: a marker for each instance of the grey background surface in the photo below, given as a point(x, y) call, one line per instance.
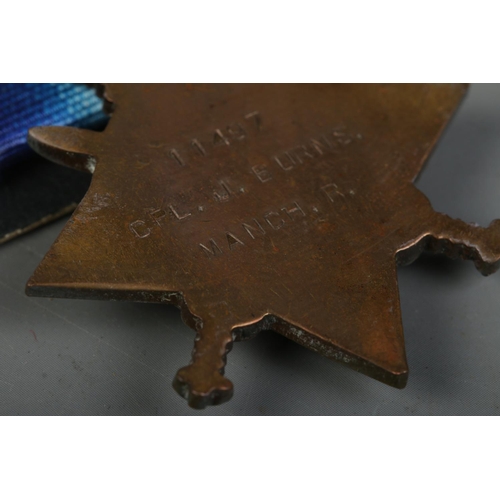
point(109, 358)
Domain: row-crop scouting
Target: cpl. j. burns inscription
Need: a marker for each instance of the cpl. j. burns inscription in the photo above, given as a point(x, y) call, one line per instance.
point(320, 149)
point(260, 206)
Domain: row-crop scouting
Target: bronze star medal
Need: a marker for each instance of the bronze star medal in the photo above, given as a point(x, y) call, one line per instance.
point(254, 207)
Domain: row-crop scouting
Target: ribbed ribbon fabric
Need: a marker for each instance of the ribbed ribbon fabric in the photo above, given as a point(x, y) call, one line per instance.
point(26, 105)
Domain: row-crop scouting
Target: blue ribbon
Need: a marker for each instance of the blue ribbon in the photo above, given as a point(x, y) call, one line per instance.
point(26, 105)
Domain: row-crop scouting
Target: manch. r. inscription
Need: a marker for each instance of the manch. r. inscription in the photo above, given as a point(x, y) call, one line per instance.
point(223, 190)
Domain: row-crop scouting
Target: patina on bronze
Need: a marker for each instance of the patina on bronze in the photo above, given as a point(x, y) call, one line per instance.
point(253, 207)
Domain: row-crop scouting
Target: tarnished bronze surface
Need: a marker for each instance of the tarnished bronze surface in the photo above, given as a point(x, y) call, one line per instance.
point(252, 207)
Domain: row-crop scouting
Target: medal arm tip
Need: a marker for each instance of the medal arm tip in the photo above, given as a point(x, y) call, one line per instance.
point(67, 146)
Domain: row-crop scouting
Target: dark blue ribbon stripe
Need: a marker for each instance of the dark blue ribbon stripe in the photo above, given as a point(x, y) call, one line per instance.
point(26, 105)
